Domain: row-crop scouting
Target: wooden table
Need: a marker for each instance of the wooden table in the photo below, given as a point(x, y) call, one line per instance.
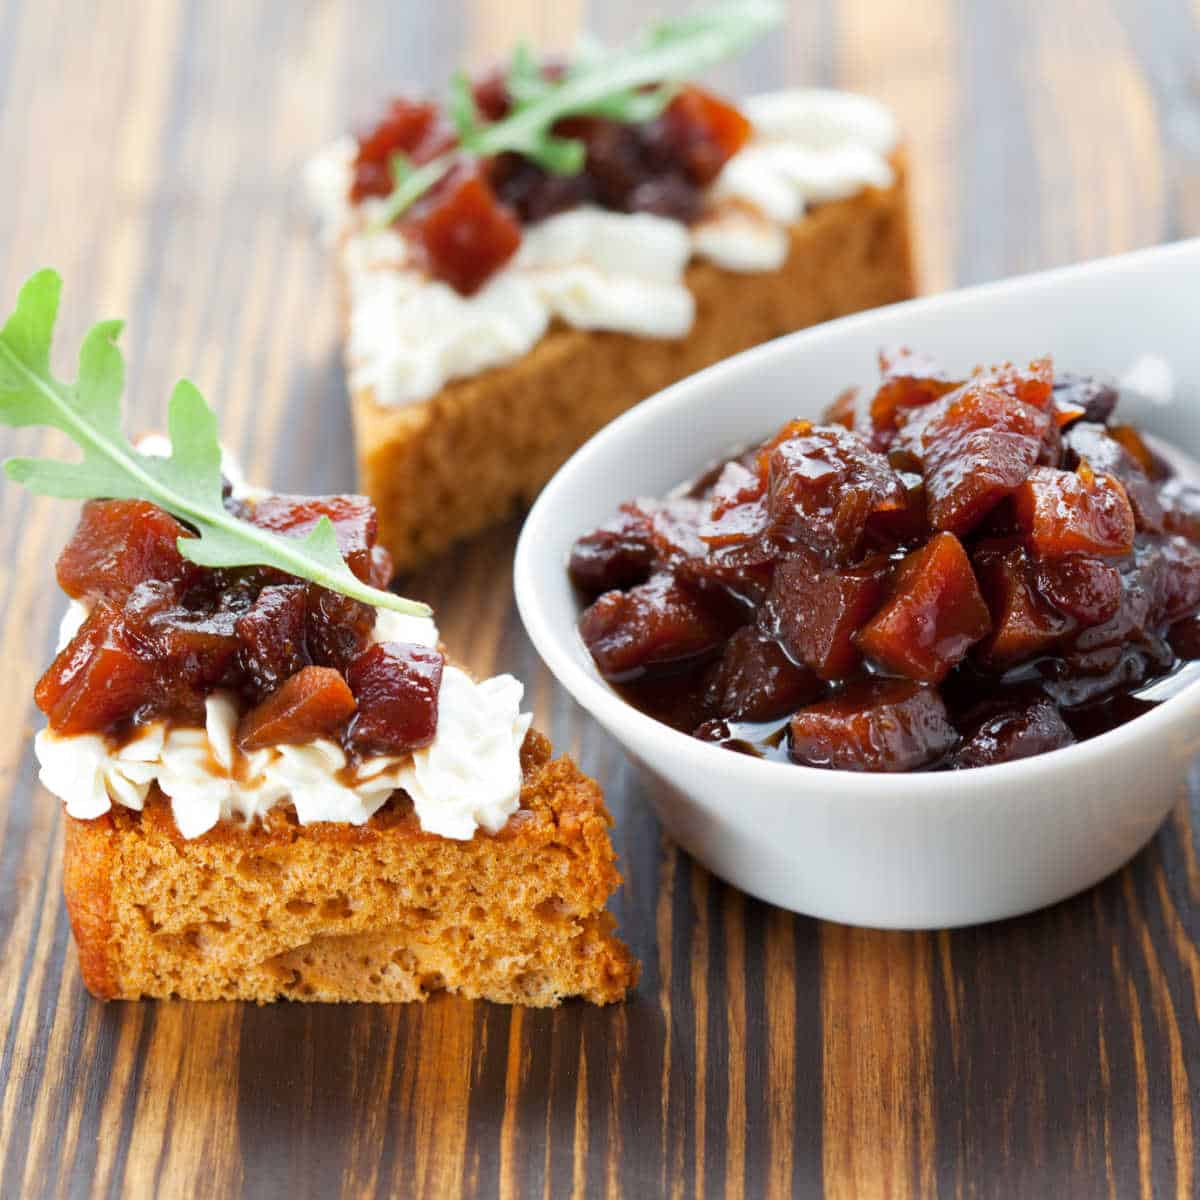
point(151, 152)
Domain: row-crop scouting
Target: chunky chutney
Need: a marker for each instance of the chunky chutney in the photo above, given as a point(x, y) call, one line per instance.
point(469, 224)
point(162, 634)
point(948, 573)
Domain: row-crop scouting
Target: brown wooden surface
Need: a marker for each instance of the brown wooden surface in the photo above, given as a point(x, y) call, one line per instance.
point(150, 151)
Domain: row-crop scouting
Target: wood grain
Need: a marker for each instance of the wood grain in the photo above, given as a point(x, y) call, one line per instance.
point(152, 156)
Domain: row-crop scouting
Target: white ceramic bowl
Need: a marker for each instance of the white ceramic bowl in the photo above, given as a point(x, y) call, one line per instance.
point(909, 851)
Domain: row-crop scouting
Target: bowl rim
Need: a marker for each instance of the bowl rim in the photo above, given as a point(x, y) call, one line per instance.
point(602, 702)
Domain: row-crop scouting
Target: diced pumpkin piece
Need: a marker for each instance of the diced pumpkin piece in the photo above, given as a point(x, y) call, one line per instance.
point(909, 381)
point(815, 611)
point(756, 681)
point(704, 132)
point(904, 526)
point(742, 571)
point(1013, 734)
point(760, 459)
point(843, 410)
point(353, 519)
point(874, 725)
point(274, 645)
point(460, 232)
point(1094, 445)
point(976, 447)
point(1074, 512)
point(119, 544)
point(337, 628)
point(1023, 624)
point(1086, 588)
point(675, 528)
point(934, 616)
point(619, 554)
point(315, 702)
point(823, 486)
point(191, 651)
point(653, 625)
point(183, 652)
point(738, 510)
point(409, 127)
point(1033, 384)
point(97, 680)
point(395, 686)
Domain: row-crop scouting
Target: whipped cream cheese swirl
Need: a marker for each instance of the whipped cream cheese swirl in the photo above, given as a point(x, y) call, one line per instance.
point(468, 778)
point(590, 268)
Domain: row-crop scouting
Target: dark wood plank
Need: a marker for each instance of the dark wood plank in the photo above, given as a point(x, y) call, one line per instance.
point(763, 1054)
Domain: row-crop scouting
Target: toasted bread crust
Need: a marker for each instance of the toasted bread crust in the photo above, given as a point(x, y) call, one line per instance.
point(87, 857)
point(466, 458)
point(381, 912)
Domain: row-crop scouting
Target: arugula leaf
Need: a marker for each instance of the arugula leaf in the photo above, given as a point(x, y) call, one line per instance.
point(525, 81)
point(634, 107)
point(415, 182)
point(599, 84)
point(463, 110)
point(187, 484)
point(401, 166)
point(558, 155)
point(562, 156)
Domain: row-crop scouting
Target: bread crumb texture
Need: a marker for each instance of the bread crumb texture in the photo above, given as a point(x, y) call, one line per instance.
point(485, 445)
point(382, 912)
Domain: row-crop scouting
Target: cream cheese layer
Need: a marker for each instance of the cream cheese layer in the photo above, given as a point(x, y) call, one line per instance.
point(468, 778)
